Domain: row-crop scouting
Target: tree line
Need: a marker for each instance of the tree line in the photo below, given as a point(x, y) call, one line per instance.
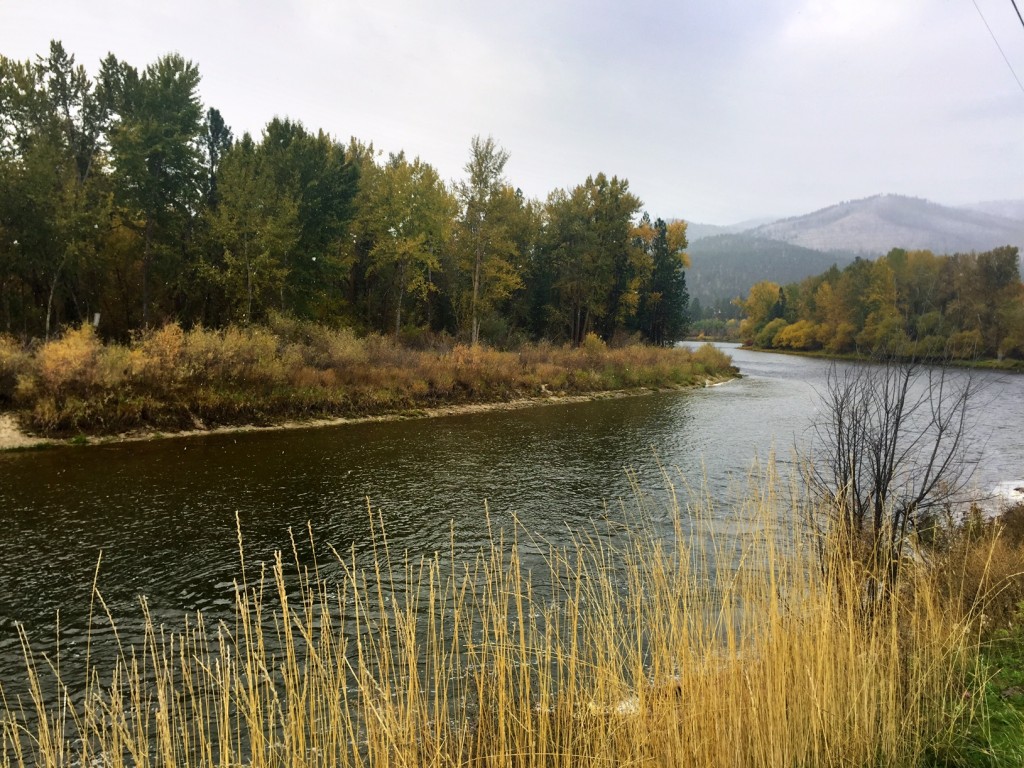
point(123, 198)
point(964, 306)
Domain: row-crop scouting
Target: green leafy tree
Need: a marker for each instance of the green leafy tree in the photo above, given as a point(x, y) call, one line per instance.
point(155, 143)
point(53, 201)
point(485, 239)
point(587, 232)
point(316, 172)
point(255, 227)
point(403, 221)
point(217, 142)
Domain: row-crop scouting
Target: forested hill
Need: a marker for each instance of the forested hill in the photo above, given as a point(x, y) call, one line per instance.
point(875, 225)
point(726, 266)
point(728, 260)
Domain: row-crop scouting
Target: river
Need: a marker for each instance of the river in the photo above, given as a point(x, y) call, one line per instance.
point(163, 513)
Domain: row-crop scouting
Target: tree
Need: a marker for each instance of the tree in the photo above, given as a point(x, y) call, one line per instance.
point(587, 233)
point(54, 201)
point(255, 227)
point(484, 238)
point(155, 143)
point(403, 222)
point(664, 299)
point(890, 449)
point(759, 308)
point(317, 173)
point(217, 142)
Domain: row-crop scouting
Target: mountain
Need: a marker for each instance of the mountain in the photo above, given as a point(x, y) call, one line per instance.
point(696, 231)
point(1008, 209)
point(727, 261)
point(726, 266)
point(876, 225)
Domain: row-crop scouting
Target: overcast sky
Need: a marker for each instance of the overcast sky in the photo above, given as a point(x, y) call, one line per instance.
point(716, 111)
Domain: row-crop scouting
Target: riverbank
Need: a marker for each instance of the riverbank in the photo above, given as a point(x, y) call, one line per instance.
point(14, 438)
point(1007, 365)
point(77, 389)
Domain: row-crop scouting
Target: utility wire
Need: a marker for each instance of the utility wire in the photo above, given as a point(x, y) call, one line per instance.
point(994, 40)
point(1018, 12)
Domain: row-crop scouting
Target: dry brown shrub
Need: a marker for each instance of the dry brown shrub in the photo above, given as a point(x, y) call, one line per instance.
point(982, 567)
point(202, 351)
point(711, 357)
point(164, 354)
point(342, 348)
point(69, 362)
point(248, 354)
point(115, 365)
point(383, 350)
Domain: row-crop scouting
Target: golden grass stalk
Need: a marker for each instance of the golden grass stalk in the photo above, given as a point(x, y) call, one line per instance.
point(698, 645)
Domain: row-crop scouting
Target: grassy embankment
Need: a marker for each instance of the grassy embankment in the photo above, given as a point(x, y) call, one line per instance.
point(171, 379)
point(631, 655)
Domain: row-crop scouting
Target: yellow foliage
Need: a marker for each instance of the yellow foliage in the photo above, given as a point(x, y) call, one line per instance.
point(69, 360)
point(163, 352)
point(803, 334)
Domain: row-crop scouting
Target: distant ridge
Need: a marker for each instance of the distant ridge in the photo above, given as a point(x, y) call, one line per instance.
point(726, 266)
point(1008, 209)
point(696, 231)
point(727, 260)
point(875, 225)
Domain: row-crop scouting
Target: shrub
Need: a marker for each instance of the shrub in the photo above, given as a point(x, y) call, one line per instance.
point(69, 362)
point(766, 336)
point(593, 344)
point(163, 354)
point(14, 362)
point(966, 345)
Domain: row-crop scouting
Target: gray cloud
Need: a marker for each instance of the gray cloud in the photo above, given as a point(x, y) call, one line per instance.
point(714, 111)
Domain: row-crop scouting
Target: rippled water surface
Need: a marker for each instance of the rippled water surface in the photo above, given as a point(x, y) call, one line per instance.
point(163, 513)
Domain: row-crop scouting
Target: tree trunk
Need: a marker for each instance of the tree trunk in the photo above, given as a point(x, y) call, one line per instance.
point(248, 291)
point(475, 322)
point(146, 253)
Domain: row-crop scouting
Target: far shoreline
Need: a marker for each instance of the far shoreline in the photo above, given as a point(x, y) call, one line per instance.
point(14, 439)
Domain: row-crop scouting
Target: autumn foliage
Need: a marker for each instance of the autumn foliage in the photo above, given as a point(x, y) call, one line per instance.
point(172, 378)
point(964, 306)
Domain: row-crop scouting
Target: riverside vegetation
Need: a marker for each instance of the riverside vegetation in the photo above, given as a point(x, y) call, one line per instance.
point(122, 196)
point(963, 307)
point(690, 646)
point(172, 379)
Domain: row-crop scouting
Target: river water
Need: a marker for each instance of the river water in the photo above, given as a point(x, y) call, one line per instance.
point(163, 513)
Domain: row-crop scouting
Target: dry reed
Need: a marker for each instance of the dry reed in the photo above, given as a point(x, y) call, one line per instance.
point(699, 645)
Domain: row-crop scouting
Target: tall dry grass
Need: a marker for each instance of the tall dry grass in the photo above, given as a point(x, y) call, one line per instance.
point(702, 645)
point(171, 378)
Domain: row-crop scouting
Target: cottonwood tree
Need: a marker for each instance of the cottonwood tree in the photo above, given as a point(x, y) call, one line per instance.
point(155, 142)
point(53, 201)
point(586, 238)
point(403, 224)
point(318, 174)
point(255, 226)
point(892, 446)
point(485, 244)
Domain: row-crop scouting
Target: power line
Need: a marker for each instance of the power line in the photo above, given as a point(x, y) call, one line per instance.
point(994, 40)
point(1018, 12)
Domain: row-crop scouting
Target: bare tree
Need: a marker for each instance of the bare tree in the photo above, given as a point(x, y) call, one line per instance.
point(892, 447)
